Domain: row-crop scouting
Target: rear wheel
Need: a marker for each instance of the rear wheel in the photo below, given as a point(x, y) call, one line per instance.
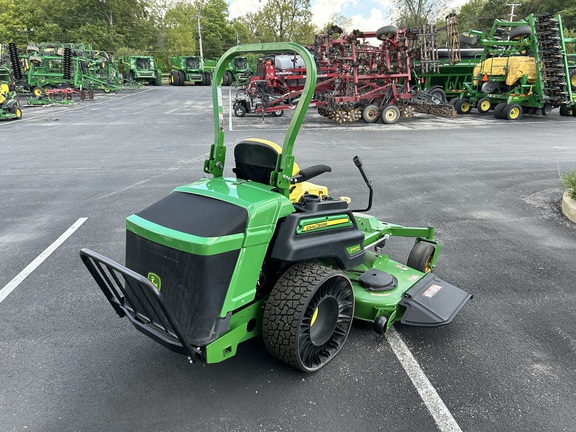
point(174, 78)
point(498, 110)
point(15, 109)
point(308, 316)
point(371, 113)
point(239, 110)
point(420, 257)
point(512, 112)
point(390, 114)
point(484, 105)
point(437, 95)
point(229, 78)
point(462, 106)
point(206, 79)
point(277, 113)
point(565, 111)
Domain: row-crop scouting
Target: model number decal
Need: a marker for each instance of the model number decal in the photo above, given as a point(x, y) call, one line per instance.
point(432, 291)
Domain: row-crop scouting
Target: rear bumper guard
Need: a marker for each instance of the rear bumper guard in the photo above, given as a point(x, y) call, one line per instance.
point(134, 296)
point(432, 302)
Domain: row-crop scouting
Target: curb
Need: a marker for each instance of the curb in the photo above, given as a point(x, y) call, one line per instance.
point(569, 207)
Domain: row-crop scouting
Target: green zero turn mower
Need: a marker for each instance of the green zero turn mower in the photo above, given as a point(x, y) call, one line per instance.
point(223, 260)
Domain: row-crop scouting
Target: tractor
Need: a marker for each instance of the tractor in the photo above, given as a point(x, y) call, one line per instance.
point(267, 252)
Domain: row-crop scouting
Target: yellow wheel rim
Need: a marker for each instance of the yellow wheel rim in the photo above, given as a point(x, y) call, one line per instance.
point(465, 107)
point(428, 265)
point(485, 105)
point(313, 320)
point(514, 113)
point(573, 80)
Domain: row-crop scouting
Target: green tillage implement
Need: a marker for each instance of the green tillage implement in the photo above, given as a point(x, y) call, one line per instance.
point(222, 260)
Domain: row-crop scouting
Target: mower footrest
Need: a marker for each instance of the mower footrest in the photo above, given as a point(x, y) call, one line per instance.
point(134, 296)
point(432, 302)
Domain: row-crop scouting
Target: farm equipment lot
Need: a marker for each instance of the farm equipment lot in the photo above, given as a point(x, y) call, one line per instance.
point(490, 187)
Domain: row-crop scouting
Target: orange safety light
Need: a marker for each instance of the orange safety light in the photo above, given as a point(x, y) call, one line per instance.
point(485, 77)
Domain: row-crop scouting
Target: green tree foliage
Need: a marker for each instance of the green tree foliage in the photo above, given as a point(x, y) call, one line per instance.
point(341, 21)
point(281, 21)
point(217, 33)
point(106, 24)
point(181, 29)
point(242, 32)
point(480, 14)
point(417, 13)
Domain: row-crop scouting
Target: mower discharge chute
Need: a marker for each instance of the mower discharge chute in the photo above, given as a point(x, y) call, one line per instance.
point(222, 260)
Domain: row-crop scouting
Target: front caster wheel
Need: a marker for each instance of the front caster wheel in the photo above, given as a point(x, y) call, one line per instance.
point(308, 316)
point(421, 256)
point(380, 324)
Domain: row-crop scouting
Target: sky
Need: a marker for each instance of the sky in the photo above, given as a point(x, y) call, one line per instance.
point(368, 15)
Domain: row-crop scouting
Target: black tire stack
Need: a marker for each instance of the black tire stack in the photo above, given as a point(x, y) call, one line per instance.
point(68, 64)
point(552, 66)
point(15, 60)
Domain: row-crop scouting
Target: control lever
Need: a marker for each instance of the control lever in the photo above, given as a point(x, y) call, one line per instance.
point(358, 164)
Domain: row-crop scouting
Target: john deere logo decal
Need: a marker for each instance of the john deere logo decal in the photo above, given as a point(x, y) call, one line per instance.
point(323, 223)
point(155, 280)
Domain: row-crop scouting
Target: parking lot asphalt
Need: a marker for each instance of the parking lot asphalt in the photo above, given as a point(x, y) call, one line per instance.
point(490, 187)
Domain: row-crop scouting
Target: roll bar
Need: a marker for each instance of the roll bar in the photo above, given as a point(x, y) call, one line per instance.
point(281, 177)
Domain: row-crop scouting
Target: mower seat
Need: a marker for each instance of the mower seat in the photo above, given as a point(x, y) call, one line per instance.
point(256, 160)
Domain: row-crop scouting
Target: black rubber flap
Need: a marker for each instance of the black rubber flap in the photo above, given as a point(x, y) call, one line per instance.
point(432, 302)
point(197, 215)
point(377, 280)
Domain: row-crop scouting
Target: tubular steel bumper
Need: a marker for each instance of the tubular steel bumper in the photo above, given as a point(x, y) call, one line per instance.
point(134, 296)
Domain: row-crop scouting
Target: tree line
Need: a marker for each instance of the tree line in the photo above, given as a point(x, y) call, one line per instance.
point(166, 28)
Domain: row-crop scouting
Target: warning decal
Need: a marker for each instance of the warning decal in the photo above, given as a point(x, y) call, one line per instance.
point(432, 290)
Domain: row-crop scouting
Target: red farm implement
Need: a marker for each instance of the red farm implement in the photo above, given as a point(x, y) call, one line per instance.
point(357, 79)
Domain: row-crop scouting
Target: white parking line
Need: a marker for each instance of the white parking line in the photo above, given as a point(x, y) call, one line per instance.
point(427, 392)
point(39, 259)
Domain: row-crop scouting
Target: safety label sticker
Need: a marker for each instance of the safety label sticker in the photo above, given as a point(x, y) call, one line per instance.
point(432, 290)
